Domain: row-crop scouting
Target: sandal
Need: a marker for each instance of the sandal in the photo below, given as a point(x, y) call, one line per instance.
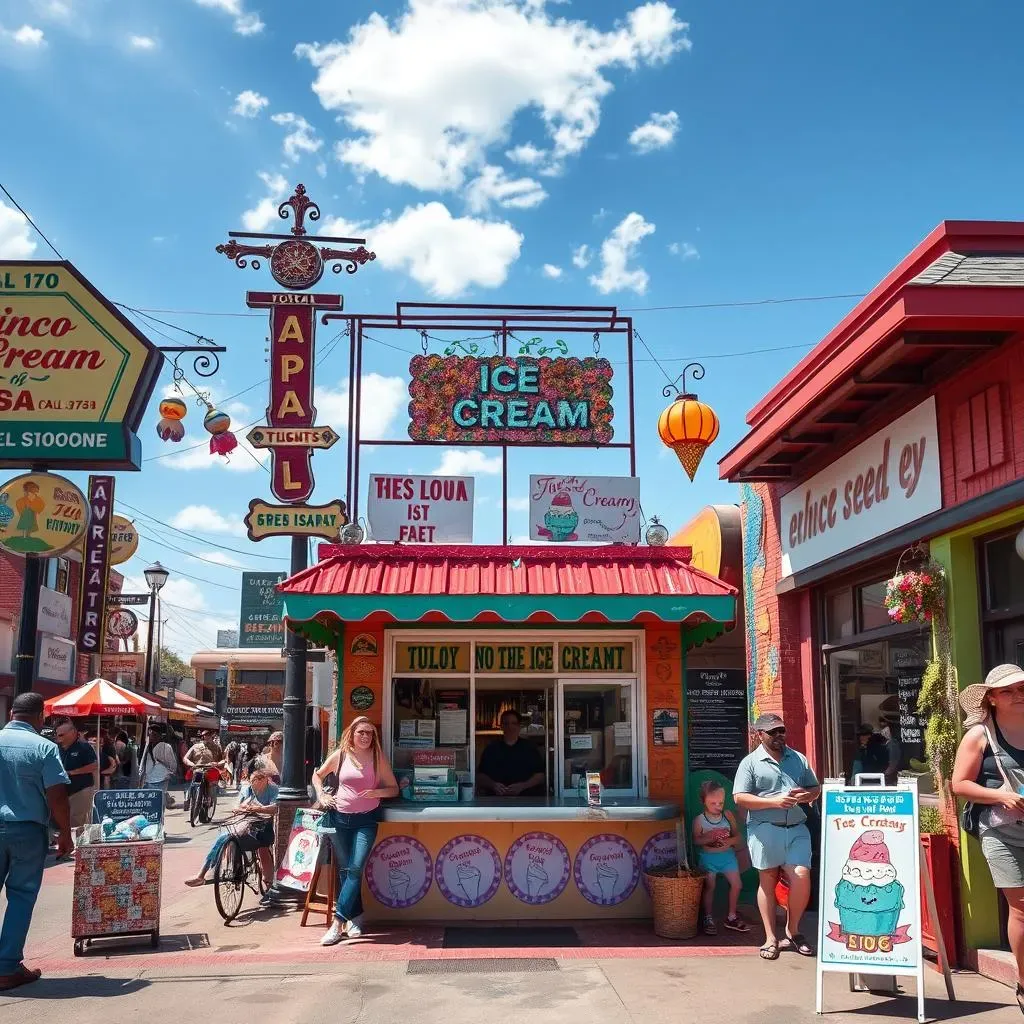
point(796, 944)
point(769, 951)
point(736, 924)
point(708, 926)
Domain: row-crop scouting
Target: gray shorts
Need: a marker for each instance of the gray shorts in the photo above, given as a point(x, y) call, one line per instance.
point(1005, 862)
point(772, 846)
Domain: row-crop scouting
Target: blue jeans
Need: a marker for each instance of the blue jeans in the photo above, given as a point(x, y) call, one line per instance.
point(23, 847)
point(352, 841)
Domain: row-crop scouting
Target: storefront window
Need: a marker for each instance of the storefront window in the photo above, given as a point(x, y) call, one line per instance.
point(873, 613)
point(839, 615)
point(597, 734)
point(1004, 572)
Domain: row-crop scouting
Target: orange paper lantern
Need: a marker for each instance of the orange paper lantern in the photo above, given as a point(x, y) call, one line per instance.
point(688, 426)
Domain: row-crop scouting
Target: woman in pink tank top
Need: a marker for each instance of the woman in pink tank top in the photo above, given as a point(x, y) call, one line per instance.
point(352, 810)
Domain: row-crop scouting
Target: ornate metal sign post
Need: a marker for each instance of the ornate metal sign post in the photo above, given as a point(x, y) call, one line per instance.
point(291, 434)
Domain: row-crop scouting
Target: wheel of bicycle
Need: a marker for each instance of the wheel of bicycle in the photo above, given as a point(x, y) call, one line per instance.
point(213, 803)
point(195, 810)
point(229, 880)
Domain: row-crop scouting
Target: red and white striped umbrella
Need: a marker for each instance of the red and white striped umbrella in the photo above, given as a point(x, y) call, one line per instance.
point(101, 697)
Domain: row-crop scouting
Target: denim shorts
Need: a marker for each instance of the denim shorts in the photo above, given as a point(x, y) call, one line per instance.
point(718, 862)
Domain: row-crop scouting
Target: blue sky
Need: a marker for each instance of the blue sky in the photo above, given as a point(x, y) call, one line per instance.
point(701, 153)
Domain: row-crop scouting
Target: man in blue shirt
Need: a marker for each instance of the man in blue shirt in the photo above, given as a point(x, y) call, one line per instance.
point(79, 760)
point(772, 783)
point(33, 788)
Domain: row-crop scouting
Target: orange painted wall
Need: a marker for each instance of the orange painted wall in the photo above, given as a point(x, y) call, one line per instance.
point(663, 655)
point(361, 663)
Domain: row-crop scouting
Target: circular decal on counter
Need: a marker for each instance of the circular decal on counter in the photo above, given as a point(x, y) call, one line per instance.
point(537, 868)
point(607, 870)
point(659, 851)
point(399, 872)
point(41, 513)
point(361, 698)
point(468, 871)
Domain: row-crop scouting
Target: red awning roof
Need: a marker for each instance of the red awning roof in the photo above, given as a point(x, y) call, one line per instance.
point(506, 571)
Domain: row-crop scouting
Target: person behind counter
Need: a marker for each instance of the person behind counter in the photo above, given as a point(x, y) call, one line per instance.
point(511, 766)
point(353, 812)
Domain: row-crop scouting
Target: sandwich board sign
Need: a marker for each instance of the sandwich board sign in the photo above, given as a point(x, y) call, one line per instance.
point(869, 905)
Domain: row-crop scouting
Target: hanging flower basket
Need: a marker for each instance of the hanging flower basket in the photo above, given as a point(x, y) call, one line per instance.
point(916, 595)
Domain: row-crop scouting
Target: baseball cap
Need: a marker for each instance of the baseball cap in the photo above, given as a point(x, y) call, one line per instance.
point(769, 721)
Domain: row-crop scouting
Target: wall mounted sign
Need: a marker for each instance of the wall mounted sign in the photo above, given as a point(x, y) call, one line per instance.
point(289, 437)
point(41, 513)
point(362, 698)
point(126, 600)
point(262, 611)
point(55, 659)
point(54, 613)
point(658, 852)
point(887, 481)
point(716, 713)
point(122, 624)
point(607, 870)
point(227, 637)
point(291, 409)
point(364, 645)
point(468, 871)
point(75, 375)
point(515, 657)
point(96, 566)
point(123, 669)
point(510, 400)
point(124, 540)
point(433, 658)
point(665, 727)
point(537, 868)
point(421, 509)
point(399, 872)
point(586, 658)
point(265, 520)
point(585, 508)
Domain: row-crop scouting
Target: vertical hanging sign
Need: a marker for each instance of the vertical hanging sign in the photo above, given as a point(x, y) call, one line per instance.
point(96, 566)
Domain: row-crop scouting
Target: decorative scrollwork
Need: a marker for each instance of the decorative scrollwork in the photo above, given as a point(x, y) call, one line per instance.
point(352, 259)
point(469, 348)
point(526, 348)
point(237, 252)
point(205, 363)
point(301, 206)
point(673, 388)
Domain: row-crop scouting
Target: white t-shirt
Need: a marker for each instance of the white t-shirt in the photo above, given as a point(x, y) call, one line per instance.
point(160, 766)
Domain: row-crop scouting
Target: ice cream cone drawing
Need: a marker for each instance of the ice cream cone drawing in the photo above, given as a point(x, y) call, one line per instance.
point(869, 897)
point(469, 882)
point(398, 883)
point(561, 519)
point(607, 880)
point(536, 880)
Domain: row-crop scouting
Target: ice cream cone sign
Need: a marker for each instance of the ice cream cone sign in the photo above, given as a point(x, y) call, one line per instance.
point(688, 426)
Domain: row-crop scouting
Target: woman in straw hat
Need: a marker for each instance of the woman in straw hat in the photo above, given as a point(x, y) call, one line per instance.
point(989, 773)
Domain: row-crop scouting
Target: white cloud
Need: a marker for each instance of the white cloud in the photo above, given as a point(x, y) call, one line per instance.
point(445, 254)
point(16, 242)
point(467, 462)
point(245, 23)
point(26, 36)
point(550, 270)
point(142, 43)
point(581, 256)
point(203, 519)
point(221, 558)
point(382, 399)
point(196, 455)
point(616, 252)
point(264, 213)
point(301, 139)
point(56, 10)
point(248, 103)
point(458, 74)
point(655, 133)
point(684, 250)
point(493, 185)
point(527, 154)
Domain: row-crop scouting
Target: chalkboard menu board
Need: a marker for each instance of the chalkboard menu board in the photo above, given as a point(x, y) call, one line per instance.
point(716, 719)
point(912, 725)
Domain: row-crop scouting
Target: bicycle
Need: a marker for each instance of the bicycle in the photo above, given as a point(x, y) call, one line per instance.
point(236, 869)
point(202, 795)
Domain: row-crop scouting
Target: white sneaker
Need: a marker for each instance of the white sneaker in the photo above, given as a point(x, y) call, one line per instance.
point(355, 928)
point(334, 934)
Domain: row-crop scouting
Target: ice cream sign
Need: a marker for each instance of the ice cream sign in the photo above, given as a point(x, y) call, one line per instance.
point(506, 400)
point(75, 375)
point(468, 871)
point(870, 910)
point(399, 872)
point(607, 870)
point(537, 868)
point(600, 509)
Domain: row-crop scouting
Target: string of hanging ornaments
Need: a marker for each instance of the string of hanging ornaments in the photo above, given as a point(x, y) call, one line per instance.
point(217, 424)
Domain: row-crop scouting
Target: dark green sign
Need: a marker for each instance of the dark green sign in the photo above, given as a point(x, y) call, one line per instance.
point(361, 698)
point(260, 623)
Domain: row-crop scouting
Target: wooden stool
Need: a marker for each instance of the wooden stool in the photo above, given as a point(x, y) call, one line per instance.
point(316, 903)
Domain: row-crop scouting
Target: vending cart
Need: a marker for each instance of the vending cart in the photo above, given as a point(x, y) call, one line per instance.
point(118, 868)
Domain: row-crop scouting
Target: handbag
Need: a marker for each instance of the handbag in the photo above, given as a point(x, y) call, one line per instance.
point(998, 817)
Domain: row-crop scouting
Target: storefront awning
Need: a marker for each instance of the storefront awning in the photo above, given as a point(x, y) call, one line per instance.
point(534, 584)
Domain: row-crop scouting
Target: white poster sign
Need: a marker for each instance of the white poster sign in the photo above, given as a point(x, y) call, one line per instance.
point(55, 659)
point(421, 509)
point(585, 508)
point(54, 612)
point(887, 481)
point(869, 909)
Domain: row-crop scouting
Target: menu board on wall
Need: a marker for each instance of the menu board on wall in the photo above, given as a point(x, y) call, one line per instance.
point(912, 725)
point(716, 719)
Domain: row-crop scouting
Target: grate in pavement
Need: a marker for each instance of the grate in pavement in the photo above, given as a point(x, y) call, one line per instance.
point(529, 937)
point(493, 965)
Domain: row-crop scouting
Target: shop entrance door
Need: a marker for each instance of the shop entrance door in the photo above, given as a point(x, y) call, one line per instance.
point(596, 722)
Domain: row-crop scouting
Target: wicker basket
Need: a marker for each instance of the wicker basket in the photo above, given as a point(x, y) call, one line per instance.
point(676, 898)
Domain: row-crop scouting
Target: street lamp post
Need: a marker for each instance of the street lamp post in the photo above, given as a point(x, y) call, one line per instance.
point(156, 576)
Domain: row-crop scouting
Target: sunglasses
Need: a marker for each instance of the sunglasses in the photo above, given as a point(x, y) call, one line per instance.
point(779, 731)
point(364, 732)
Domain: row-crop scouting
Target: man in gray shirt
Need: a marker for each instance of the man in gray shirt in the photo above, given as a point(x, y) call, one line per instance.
point(772, 783)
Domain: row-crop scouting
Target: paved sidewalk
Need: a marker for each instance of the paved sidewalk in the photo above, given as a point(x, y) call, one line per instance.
point(266, 962)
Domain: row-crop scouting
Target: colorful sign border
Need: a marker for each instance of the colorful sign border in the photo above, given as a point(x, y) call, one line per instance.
point(428, 872)
point(489, 849)
point(615, 898)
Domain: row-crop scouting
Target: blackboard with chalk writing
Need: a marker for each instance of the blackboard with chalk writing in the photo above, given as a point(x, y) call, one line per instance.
point(121, 804)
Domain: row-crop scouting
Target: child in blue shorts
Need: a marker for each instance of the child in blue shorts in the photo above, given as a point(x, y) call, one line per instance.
point(717, 837)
